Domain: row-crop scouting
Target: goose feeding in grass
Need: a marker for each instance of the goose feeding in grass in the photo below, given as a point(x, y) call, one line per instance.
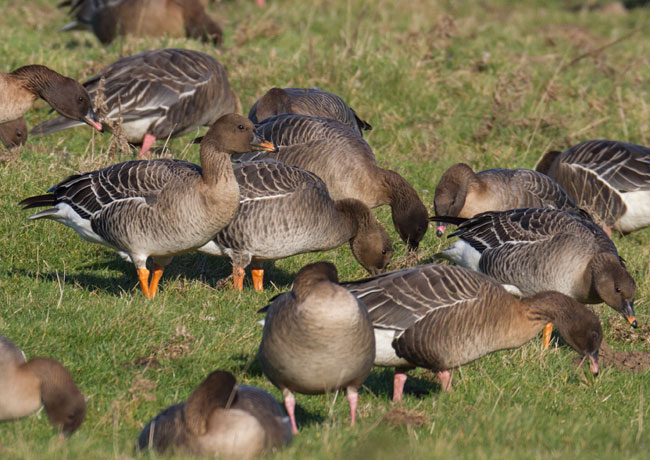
point(440, 317)
point(158, 208)
point(317, 339)
point(157, 94)
point(13, 133)
point(27, 385)
point(284, 211)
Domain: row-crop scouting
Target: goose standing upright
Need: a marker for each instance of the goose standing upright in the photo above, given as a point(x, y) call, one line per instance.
point(158, 208)
point(26, 385)
point(609, 179)
point(441, 317)
point(317, 339)
point(220, 418)
point(337, 154)
point(285, 211)
point(157, 94)
point(20, 89)
point(306, 101)
point(463, 193)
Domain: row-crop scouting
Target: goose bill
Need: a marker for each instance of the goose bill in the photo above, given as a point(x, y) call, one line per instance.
point(91, 119)
point(261, 144)
point(628, 312)
point(593, 362)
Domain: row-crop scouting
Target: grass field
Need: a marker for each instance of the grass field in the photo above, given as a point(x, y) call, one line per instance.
point(488, 83)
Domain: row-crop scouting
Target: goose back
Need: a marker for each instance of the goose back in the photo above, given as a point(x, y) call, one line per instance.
point(306, 101)
point(164, 93)
point(609, 179)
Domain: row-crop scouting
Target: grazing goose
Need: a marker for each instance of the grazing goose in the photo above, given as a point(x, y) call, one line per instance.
point(609, 179)
point(534, 250)
point(463, 193)
point(157, 94)
point(109, 18)
point(25, 386)
point(344, 161)
point(284, 211)
point(156, 208)
point(441, 317)
point(306, 101)
point(317, 339)
point(220, 418)
point(13, 133)
point(20, 88)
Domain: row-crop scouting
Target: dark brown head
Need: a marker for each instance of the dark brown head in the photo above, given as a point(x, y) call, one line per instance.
point(274, 102)
point(13, 133)
point(201, 26)
point(614, 285)
point(217, 391)
point(410, 216)
point(64, 404)
point(233, 133)
point(67, 96)
point(370, 245)
point(451, 192)
point(545, 163)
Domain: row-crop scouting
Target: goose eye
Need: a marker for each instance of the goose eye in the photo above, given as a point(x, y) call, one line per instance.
point(617, 289)
point(383, 251)
point(240, 127)
point(19, 133)
point(81, 99)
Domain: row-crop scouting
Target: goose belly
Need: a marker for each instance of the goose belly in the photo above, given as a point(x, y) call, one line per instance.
point(385, 355)
point(463, 254)
point(66, 215)
point(135, 130)
point(637, 213)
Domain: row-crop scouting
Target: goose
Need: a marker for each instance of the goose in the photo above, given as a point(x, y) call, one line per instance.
point(157, 94)
point(306, 101)
point(20, 89)
point(317, 338)
point(284, 211)
point(345, 162)
point(441, 316)
point(13, 133)
point(220, 418)
point(156, 208)
point(463, 193)
point(540, 249)
point(109, 18)
point(27, 385)
point(609, 179)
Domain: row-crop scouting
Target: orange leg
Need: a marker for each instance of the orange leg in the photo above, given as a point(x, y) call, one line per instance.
point(546, 335)
point(157, 274)
point(258, 279)
point(238, 277)
point(143, 274)
point(147, 142)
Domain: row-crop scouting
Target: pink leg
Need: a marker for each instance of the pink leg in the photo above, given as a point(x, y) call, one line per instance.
point(290, 405)
point(445, 380)
point(260, 2)
point(147, 142)
point(353, 397)
point(398, 384)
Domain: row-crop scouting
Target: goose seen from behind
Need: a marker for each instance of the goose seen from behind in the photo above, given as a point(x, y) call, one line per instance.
point(440, 317)
point(317, 339)
point(285, 211)
point(219, 418)
point(27, 385)
point(158, 208)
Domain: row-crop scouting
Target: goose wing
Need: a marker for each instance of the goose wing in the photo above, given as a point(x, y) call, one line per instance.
point(543, 191)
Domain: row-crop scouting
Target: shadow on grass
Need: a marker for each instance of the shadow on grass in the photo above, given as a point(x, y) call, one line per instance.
point(380, 383)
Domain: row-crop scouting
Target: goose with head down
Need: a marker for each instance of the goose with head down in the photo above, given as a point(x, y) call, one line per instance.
point(337, 154)
point(441, 317)
point(13, 133)
point(156, 208)
point(306, 101)
point(285, 211)
point(157, 94)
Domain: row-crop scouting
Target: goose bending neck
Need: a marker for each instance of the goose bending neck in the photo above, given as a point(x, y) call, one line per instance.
point(544, 307)
point(37, 79)
point(355, 216)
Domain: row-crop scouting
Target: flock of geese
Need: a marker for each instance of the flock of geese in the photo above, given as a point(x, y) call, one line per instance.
point(297, 176)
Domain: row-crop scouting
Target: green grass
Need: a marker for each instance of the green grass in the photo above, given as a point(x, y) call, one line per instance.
point(488, 83)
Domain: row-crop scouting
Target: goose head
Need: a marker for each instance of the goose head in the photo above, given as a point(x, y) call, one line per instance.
point(614, 285)
point(451, 192)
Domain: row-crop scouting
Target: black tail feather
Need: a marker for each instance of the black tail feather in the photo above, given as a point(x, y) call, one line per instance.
point(38, 201)
point(448, 219)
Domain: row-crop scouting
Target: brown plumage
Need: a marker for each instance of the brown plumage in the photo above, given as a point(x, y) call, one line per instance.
point(25, 386)
point(345, 162)
point(220, 418)
point(317, 339)
point(609, 179)
point(13, 133)
point(156, 208)
point(441, 317)
point(157, 94)
point(286, 211)
point(463, 193)
point(108, 19)
point(306, 101)
point(20, 88)
point(535, 250)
